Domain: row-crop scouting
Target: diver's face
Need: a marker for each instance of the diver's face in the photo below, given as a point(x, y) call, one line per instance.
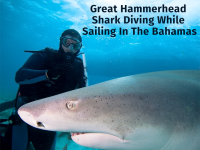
point(69, 45)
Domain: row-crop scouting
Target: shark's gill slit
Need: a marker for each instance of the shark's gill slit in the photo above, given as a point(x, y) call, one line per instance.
point(39, 124)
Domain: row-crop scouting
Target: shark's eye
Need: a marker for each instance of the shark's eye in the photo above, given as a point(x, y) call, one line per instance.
point(70, 105)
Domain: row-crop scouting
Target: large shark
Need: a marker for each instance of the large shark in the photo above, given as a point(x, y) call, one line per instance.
point(150, 111)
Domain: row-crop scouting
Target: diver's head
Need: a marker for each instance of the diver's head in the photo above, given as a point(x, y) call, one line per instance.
point(70, 42)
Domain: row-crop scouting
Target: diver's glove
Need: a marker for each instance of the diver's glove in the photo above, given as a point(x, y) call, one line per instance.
point(61, 69)
point(14, 119)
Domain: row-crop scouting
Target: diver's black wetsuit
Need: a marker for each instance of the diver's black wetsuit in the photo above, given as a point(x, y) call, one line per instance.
point(34, 85)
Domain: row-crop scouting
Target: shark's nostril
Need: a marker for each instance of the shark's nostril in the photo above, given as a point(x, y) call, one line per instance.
point(39, 124)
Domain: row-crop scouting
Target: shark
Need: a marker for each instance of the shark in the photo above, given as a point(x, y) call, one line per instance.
point(149, 111)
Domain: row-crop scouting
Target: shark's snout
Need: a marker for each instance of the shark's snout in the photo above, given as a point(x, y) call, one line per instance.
point(25, 115)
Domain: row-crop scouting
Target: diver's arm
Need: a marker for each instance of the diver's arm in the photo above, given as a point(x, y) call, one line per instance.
point(82, 79)
point(33, 70)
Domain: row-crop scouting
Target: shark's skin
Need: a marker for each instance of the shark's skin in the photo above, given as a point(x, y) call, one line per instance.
point(151, 111)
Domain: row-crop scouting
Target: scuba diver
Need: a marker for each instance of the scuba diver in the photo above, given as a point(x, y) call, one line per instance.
point(46, 73)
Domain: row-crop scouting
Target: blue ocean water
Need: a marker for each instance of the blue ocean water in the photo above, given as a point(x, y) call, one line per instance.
point(36, 24)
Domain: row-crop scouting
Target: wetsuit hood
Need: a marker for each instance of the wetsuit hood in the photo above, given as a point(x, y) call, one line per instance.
point(73, 33)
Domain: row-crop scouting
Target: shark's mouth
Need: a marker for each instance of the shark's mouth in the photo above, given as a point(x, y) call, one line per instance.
point(85, 137)
point(77, 133)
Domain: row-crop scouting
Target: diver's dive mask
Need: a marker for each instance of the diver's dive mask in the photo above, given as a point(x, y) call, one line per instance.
point(71, 43)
